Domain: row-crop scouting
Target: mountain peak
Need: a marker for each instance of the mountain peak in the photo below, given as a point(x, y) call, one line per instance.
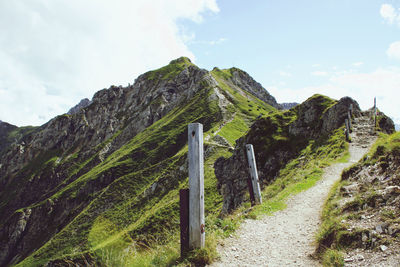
point(181, 60)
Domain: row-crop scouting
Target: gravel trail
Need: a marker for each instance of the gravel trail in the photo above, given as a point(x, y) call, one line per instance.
point(286, 238)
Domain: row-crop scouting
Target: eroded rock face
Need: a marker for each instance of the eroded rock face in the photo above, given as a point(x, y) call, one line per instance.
point(314, 118)
point(5, 129)
point(243, 80)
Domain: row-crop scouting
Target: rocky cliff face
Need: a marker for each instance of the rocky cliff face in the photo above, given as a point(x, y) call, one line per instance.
point(126, 147)
point(276, 140)
point(5, 130)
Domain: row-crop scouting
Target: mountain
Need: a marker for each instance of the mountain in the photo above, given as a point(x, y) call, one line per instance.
point(82, 104)
point(288, 105)
point(100, 186)
point(397, 127)
point(107, 176)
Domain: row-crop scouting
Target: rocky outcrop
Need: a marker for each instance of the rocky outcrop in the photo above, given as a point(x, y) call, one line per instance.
point(244, 81)
point(277, 140)
point(82, 104)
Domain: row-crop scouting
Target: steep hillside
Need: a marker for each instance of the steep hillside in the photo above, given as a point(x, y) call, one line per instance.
point(11, 134)
point(105, 179)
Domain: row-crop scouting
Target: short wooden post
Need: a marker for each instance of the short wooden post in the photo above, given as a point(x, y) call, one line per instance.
point(347, 131)
point(184, 220)
point(349, 118)
point(253, 173)
point(196, 186)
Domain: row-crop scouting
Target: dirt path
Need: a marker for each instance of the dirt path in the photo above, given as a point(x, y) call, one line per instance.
point(286, 238)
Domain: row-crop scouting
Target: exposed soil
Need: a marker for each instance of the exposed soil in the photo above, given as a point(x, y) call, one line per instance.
point(287, 237)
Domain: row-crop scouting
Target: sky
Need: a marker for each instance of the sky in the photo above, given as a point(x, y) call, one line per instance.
point(55, 52)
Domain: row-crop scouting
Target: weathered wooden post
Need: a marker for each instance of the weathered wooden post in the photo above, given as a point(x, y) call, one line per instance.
point(374, 112)
point(184, 220)
point(196, 186)
point(253, 173)
point(347, 131)
point(349, 118)
point(351, 110)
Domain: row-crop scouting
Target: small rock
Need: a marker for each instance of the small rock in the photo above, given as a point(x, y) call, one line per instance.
point(364, 237)
point(379, 229)
point(348, 260)
point(363, 217)
point(383, 248)
point(360, 257)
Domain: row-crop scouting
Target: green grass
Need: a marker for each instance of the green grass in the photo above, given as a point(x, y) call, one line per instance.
point(169, 71)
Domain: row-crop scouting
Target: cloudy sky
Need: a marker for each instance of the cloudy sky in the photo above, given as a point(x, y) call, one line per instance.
point(55, 52)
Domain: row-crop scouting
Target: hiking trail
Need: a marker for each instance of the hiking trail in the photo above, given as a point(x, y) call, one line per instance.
point(286, 238)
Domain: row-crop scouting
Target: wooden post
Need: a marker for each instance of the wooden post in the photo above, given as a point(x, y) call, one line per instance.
point(374, 112)
point(184, 220)
point(351, 110)
point(349, 118)
point(251, 192)
point(196, 186)
point(346, 122)
point(253, 173)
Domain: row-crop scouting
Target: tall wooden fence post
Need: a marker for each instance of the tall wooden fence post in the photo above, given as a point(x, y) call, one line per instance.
point(184, 220)
point(196, 186)
point(253, 173)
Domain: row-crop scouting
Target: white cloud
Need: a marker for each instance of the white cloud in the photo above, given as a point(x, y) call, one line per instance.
point(394, 50)
point(358, 64)
point(383, 83)
point(285, 74)
point(390, 14)
point(53, 53)
point(319, 73)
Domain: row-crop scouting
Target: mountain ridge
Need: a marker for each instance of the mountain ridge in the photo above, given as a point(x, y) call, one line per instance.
point(107, 177)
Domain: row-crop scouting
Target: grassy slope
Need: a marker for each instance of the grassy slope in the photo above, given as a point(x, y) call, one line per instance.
point(333, 228)
point(139, 209)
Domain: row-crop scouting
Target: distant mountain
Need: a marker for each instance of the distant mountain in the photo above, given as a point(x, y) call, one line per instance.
point(397, 127)
point(82, 104)
point(286, 106)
